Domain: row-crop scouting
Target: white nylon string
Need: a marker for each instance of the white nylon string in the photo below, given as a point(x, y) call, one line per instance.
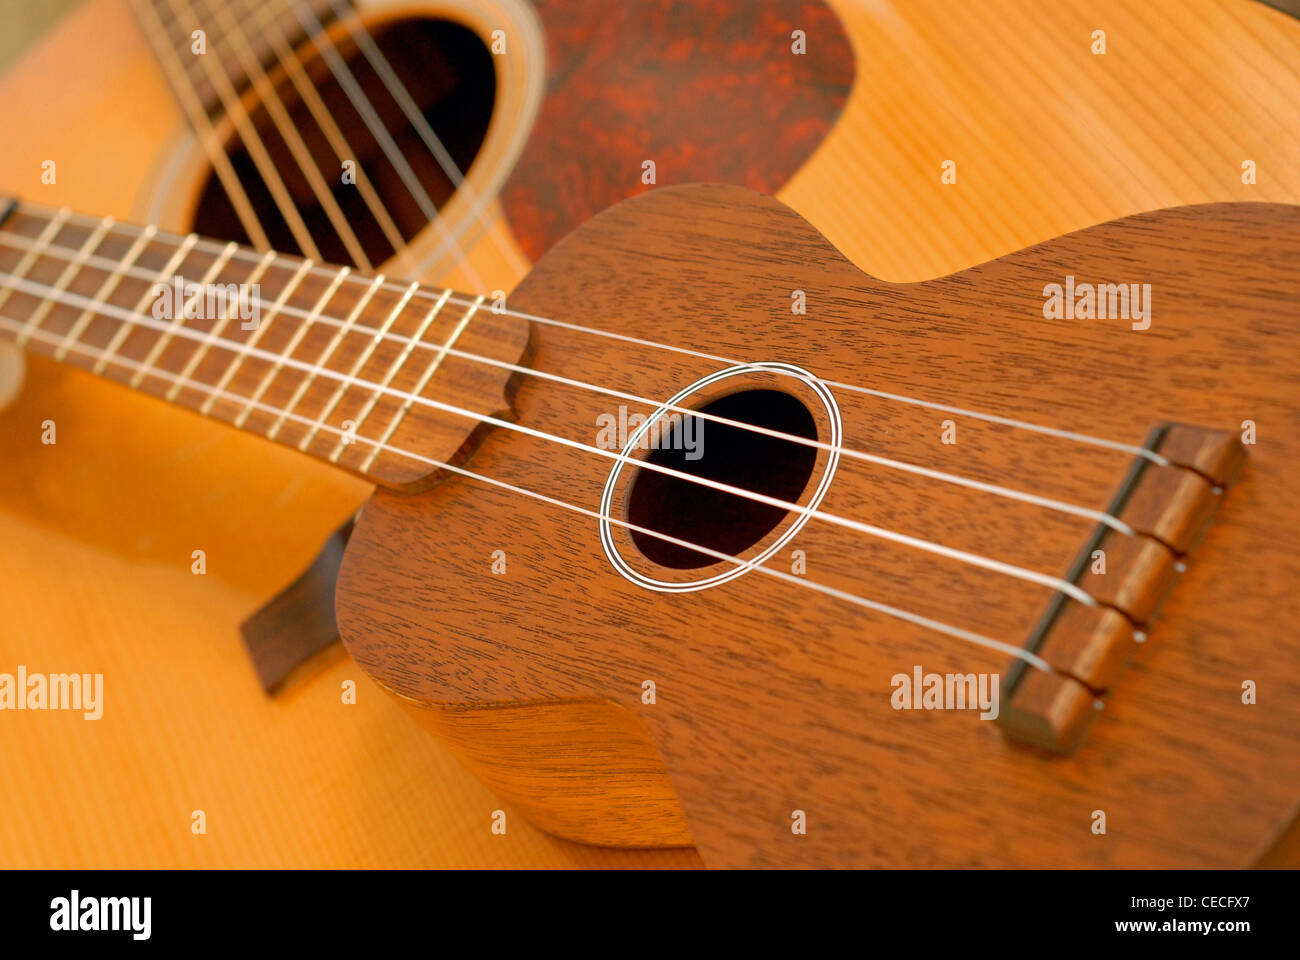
point(883, 608)
point(172, 329)
point(461, 300)
point(316, 316)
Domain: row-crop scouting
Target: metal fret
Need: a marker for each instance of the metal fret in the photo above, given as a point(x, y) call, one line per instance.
point(218, 328)
point(424, 380)
point(179, 320)
point(342, 331)
point(168, 271)
point(105, 291)
point(298, 335)
point(242, 353)
point(358, 366)
point(31, 256)
point(397, 365)
point(65, 277)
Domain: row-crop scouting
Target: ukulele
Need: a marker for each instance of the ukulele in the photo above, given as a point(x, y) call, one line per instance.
point(1021, 144)
point(1071, 512)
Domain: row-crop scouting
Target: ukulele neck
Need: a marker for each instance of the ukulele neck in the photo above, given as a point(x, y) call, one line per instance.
point(372, 375)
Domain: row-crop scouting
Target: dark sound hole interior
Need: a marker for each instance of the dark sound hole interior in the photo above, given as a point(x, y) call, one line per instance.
point(741, 458)
point(449, 75)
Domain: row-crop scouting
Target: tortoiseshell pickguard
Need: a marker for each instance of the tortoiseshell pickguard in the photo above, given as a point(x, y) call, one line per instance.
point(710, 91)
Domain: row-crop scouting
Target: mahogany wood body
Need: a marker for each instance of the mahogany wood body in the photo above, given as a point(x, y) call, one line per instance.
point(102, 524)
point(772, 698)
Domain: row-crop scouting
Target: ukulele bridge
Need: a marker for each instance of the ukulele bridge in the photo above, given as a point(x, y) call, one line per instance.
point(1169, 502)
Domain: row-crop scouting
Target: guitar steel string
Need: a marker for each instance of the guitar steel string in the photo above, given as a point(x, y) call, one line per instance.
point(289, 134)
point(478, 203)
point(221, 164)
point(187, 93)
point(293, 68)
point(365, 108)
point(242, 120)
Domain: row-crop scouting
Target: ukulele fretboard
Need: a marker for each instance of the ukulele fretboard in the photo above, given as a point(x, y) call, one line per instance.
point(349, 368)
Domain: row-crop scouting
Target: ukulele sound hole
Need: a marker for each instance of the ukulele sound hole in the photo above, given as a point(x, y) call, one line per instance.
point(450, 77)
point(721, 521)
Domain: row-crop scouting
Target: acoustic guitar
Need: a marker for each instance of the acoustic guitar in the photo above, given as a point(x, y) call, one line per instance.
point(766, 702)
point(526, 591)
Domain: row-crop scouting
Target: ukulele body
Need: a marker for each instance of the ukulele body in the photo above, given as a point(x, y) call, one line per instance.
point(771, 699)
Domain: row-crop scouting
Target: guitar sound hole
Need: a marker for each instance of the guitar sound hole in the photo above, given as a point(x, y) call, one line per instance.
point(449, 75)
point(752, 461)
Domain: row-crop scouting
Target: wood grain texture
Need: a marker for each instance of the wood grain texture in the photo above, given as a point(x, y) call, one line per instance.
point(1046, 136)
point(579, 769)
point(773, 698)
point(1047, 139)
